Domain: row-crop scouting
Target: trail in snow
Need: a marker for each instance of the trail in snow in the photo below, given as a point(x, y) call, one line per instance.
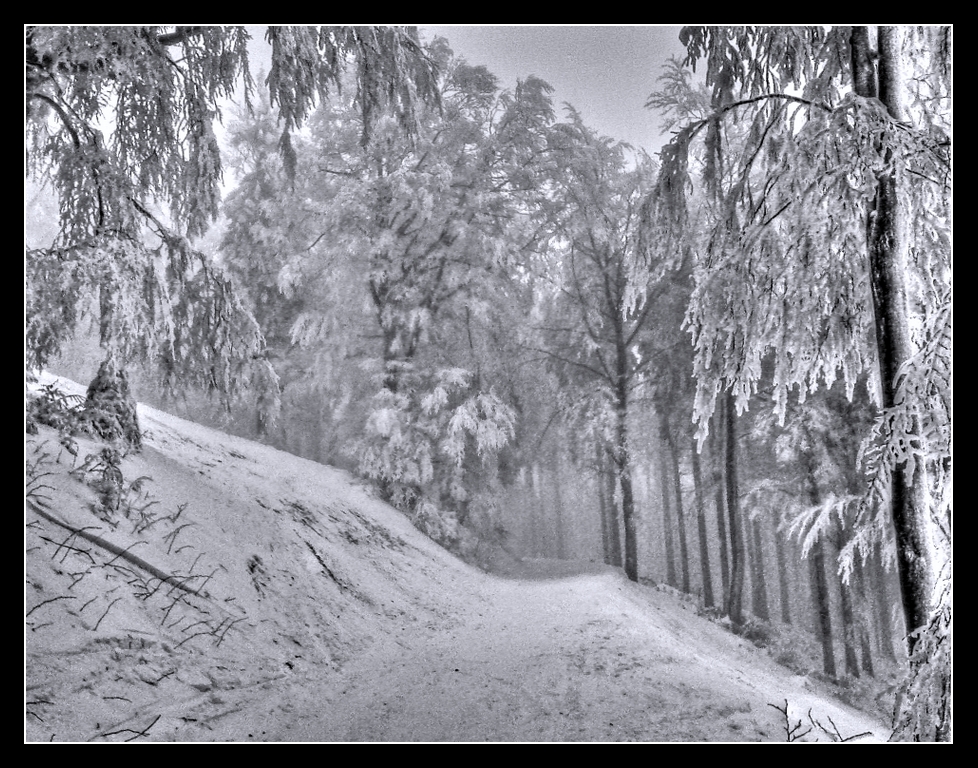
point(351, 626)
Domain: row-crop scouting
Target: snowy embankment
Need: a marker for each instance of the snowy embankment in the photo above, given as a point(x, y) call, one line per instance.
point(253, 595)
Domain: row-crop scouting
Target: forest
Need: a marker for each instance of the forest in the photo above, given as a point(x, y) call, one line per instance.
point(725, 368)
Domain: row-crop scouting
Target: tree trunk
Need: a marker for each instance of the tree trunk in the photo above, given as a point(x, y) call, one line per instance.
point(623, 469)
point(670, 442)
point(759, 605)
point(783, 584)
point(886, 233)
point(888, 245)
point(820, 584)
point(536, 511)
point(602, 508)
point(670, 546)
point(848, 629)
point(823, 606)
point(734, 602)
point(559, 511)
point(606, 485)
point(881, 598)
point(863, 618)
point(707, 576)
point(717, 479)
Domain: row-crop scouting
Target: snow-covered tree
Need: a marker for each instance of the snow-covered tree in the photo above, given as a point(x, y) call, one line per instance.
point(393, 250)
point(120, 121)
point(827, 169)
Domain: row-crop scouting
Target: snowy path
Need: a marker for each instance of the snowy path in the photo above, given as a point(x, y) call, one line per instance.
point(583, 658)
point(351, 626)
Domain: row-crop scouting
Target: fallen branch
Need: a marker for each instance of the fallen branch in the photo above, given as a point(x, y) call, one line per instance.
point(118, 551)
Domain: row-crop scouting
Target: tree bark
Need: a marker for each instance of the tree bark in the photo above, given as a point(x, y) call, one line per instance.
point(784, 588)
point(823, 606)
point(668, 541)
point(734, 602)
point(717, 480)
point(670, 442)
point(886, 234)
point(706, 575)
point(623, 470)
point(759, 605)
point(606, 487)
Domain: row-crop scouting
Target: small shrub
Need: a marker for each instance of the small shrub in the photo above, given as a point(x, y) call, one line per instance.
point(760, 633)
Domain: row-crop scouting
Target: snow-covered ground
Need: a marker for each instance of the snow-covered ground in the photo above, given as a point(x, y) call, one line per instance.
point(298, 607)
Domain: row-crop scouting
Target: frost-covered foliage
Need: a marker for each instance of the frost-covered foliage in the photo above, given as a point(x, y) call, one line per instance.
point(120, 123)
point(824, 170)
point(391, 256)
point(431, 446)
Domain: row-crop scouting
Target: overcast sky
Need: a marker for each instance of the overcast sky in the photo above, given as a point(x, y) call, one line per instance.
point(605, 72)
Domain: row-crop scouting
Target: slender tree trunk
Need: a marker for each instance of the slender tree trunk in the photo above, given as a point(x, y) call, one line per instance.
point(863, 618)
point(717, 480)
point(783, 583)
point(881, 598)
point(623, 469)
point(820, 584)
point(670, 442)
point(606, 482)
point(823, 607)
point(759, 604)
point(707, 576)
point(559, 511)
point(670, 546)
point(849, 638)
point(734, 605)
point(602, 507)
point(536, 511)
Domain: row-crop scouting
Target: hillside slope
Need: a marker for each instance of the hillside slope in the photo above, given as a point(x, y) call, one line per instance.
point(253, 595)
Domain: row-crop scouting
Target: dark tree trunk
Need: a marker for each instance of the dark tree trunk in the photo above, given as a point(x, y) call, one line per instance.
point(717, 480)
point(783, 584)
point(536, 511)
point(734, 602)
point(676, 483)
point(623, 470)
point(863, 619)
point(707, 576)
point(606, 490)
point(886, 233)
point(887, 229)
point(823, 607)
point(602, 508)
point(849, 634)
point(670, 546)
point(820, 584)
point(759, 605)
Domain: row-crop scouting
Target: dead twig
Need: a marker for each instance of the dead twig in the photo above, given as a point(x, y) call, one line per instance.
point(45, 602)
point(136, 735)
point(793, 732)
point(106, 613)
